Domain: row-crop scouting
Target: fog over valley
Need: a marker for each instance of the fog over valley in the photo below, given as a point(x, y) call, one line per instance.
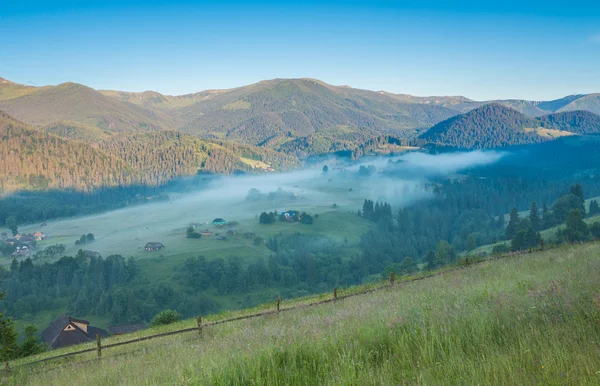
point(310, 190)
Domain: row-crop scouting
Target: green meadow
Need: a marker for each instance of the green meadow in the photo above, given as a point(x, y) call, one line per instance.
point(531, 319)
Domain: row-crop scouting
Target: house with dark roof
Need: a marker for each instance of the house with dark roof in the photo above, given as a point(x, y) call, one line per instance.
point(120, 330)
point(91, 254)
point(66, 331)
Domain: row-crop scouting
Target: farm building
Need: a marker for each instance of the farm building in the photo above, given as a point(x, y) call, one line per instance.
point(21, 252)
point(219, 221)
point(154, 246)
point(205, 232)
point(120, 330)
point(11, 241)
point(66, 331)
point(89, 254)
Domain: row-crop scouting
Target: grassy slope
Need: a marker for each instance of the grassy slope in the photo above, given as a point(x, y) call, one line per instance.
point(533, 319)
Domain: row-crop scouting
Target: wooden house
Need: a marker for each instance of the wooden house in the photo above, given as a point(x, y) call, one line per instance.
point(66, 331)
point(154, 246)
point(205, 232)
point(89, 254)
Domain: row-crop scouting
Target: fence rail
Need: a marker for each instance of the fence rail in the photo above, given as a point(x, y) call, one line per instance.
point(463, 263)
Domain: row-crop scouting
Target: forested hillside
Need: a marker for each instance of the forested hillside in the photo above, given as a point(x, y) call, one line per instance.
point(30, 159)
point(488, 126)
point(494, 126)
point(579, 122)
point(33, 159)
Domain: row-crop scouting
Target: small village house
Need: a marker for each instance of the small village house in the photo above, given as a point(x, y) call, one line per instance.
point(11, 241)
point(219, 221)
point(66, 331)
point(89, 254)
point(205, 232)
point(154, 246)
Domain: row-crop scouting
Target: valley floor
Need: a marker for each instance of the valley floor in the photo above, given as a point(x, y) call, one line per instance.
point(531, 319)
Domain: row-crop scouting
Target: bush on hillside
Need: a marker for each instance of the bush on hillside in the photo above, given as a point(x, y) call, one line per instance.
point(165, 317)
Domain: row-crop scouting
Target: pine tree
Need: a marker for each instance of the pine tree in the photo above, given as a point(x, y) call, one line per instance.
point(594, 208)
point(9, 347)
point(471, 244)
point(534, 217)
point(513, 223)
point(430, 261)
point(577, 190)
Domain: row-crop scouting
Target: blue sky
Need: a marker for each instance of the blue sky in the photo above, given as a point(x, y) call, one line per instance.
point(481, 49)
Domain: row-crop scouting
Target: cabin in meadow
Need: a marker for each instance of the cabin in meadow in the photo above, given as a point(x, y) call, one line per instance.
point(89, 254)
point(219, 221)
point(154, 246)
point(66, 331)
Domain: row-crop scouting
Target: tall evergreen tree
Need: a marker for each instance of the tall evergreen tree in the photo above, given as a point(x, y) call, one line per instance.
point(513, 223)
point(577, 190)
point(594, 208)
point(534, 217)
point(9, 347)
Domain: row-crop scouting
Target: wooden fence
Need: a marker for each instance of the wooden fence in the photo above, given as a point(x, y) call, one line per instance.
point(463, 263)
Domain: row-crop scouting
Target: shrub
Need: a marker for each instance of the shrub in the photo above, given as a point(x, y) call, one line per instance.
point(595, 230)
point(500, 249)
point(165, 317)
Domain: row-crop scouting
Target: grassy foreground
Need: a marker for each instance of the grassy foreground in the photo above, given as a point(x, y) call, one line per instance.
point(532, 319)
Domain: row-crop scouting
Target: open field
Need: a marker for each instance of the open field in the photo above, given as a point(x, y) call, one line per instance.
point(531, 319)
point(126, 231)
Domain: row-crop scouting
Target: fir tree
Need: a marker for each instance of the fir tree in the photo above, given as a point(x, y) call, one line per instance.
point(513, 223)
point(534, 217)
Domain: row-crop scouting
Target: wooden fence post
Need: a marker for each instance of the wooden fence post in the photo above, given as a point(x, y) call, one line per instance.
point(99, 345)
point(278, 300)
point(391, 278)
point(199, 321)
point(335, 293)
point(6, 369)
point(542, 244)
point(467, 260)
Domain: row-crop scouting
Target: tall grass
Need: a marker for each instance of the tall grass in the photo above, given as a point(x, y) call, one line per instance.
point(532, 319)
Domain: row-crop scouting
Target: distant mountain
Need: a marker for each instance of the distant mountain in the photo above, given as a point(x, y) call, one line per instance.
point(589, 102)
point(271, 113)
point(32, 159)
point(77, 103)
point(494, 125)
point(302, 116)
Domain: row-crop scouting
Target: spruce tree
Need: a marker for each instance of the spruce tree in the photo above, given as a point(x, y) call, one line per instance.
point(513, 223)
point(534, 217)
point(594, 208)
point(9, 348)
